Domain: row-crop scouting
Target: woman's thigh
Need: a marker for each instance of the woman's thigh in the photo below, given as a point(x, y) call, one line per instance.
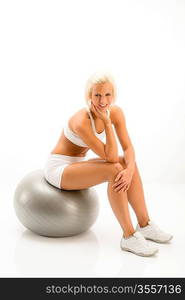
point(121, 160)
point(81, 175)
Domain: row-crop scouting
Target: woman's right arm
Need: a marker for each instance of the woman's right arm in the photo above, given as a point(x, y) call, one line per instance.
point(108, 151)
point(111, 148)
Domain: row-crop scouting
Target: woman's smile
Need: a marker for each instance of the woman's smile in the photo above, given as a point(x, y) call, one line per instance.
point(102, 106)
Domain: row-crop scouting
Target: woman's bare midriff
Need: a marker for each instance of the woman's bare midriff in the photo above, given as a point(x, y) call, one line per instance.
point(65, 147)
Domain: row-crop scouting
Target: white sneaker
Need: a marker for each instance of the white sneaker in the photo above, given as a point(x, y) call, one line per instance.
point(137, 244)
point(154, 233)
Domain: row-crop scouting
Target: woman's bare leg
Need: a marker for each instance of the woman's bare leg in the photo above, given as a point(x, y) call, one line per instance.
point(119, 204)
point(86, 174)
point(136, 197)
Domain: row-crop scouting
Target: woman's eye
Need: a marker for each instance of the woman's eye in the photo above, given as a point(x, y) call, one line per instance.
point(98, 95)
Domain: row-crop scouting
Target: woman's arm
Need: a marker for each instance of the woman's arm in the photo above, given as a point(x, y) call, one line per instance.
point(123, 136)
point(111, 148)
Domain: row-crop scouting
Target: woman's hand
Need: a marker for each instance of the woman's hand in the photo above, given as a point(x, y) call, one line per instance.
point(100, 114)
point(123, 180)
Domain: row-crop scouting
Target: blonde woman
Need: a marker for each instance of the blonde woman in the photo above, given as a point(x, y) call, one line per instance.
point(68, 169)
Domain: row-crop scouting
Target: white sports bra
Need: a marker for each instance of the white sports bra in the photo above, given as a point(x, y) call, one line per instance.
point(75, 139)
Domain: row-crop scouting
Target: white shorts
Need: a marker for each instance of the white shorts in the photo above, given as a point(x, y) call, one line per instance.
point(55, 165)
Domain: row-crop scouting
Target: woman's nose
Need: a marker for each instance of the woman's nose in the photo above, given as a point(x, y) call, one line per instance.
point(102, 100)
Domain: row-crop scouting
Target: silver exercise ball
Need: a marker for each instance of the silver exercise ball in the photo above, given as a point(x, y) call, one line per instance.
point(49, 211)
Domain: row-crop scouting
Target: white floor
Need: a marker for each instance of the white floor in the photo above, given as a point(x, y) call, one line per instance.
point(95, 253)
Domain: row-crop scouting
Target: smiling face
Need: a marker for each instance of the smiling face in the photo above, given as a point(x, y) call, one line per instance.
point(102, 95)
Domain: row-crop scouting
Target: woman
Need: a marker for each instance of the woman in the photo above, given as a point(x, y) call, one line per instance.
point(67, 168)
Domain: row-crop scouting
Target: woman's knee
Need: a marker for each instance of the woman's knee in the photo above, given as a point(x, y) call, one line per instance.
point(122, 161)
point(114, 169)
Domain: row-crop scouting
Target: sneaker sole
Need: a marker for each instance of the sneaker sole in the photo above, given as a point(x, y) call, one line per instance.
point(157, 241)
point(140, 254)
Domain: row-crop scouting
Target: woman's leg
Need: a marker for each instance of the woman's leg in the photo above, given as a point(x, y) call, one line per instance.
point(119, 204)
point(85, 174)
point(135, 195)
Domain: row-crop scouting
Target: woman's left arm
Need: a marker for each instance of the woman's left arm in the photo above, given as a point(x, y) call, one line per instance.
point(124, 139)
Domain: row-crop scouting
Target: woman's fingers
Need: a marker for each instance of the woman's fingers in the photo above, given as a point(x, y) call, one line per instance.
point(120, 186)
point(125, 188)
point(118, 177)
point(116, 188)
point(118, 183)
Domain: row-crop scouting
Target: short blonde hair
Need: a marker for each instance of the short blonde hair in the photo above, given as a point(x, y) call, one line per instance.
point(99, 78)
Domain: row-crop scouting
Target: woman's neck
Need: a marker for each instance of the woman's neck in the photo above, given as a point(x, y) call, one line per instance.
point(93, 115)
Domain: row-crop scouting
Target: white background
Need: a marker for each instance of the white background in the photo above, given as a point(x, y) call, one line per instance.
point(48, 50)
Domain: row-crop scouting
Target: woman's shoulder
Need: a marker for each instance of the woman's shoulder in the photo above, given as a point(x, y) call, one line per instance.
point(115, 111)
point(80, 117)
point(115, 108)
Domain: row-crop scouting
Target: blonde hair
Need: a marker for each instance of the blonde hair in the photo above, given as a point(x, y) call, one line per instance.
point(99, 78)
